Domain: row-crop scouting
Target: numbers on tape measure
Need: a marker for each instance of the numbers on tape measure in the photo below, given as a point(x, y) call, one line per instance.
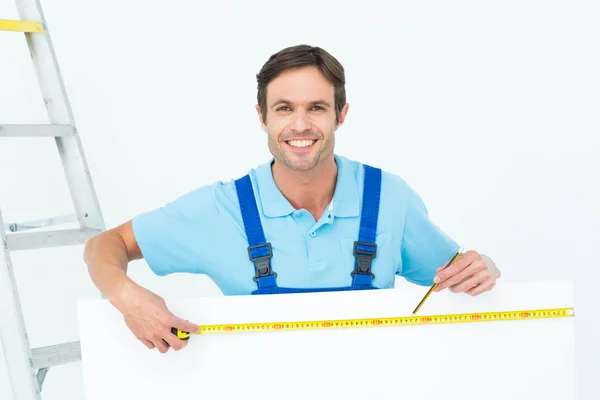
point(394, 321)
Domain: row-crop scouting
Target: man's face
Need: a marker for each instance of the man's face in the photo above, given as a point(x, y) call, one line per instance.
point(301, 119)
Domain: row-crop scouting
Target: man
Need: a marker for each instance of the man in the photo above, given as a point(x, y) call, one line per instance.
point(308, 220)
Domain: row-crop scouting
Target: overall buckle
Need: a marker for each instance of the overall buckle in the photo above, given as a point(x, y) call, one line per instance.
point(262, 263)
point(364, 258)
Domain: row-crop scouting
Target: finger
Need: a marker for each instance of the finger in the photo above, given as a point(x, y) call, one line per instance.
point(173, 341)
point(482, 287)
point(457, 278)
point(160, 345)
point(184, 325)
point(470, 282)
point(447, 264)
point(464, 274)
point(457, 266)
point(148, 344)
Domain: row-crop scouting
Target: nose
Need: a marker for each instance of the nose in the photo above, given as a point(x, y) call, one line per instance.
point(300, 122)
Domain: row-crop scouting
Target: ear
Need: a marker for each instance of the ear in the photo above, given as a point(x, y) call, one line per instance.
point(343, 114)
point(260, 118)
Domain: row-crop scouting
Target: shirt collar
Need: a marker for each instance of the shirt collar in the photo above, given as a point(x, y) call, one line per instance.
point(274, 204)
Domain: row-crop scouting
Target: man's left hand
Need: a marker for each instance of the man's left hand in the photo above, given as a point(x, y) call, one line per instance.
point(471, 273)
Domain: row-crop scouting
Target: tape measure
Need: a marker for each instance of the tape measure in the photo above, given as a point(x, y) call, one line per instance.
point(379, 322)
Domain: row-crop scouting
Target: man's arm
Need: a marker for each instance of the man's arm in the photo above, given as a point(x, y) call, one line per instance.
point(107, 256)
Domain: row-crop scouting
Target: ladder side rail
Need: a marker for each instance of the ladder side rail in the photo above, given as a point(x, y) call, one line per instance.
point(13, 333)
point(59, 111)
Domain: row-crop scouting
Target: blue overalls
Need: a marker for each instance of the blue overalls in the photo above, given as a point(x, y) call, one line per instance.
point(260, 252)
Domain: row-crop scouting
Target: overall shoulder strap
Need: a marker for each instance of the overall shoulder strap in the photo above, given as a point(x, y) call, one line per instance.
point(365, 248)
point(259, 250)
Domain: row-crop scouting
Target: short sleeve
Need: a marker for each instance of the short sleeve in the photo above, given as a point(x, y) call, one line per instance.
point(425, 247)
point(177, 237)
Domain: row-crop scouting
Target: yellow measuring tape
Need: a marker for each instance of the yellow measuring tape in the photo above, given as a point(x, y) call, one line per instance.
point(21, 26)
point(381, 322)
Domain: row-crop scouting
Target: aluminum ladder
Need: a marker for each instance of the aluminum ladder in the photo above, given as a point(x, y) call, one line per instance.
point(27, 367)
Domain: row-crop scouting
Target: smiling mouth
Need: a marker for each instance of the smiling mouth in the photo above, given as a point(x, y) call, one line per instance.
point(301, 144)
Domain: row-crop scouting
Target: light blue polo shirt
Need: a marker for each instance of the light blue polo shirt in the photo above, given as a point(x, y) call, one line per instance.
point(202, 232)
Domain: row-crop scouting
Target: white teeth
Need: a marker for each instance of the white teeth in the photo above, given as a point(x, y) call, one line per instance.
point(300, 143)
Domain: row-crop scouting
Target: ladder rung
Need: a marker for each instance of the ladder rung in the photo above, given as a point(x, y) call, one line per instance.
point(37, 130)
point(50, 356)
point(21, 26)
point(40, 223)
point(54, 238)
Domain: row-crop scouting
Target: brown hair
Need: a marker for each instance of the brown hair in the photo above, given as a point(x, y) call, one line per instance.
point(298, 57)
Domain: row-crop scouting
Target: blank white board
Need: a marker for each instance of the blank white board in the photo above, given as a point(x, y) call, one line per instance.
point(491, 360)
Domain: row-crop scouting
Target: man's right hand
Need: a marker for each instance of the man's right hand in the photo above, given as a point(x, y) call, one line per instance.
point(107, 256)
point(148, 318)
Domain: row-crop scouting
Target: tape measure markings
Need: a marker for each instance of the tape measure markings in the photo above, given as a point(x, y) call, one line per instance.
point(383, 322)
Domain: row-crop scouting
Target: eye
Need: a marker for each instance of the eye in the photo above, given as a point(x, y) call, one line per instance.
point(281, 108)
point(319, 107)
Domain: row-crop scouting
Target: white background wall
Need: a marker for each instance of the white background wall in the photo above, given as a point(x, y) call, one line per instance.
point(488, 109)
